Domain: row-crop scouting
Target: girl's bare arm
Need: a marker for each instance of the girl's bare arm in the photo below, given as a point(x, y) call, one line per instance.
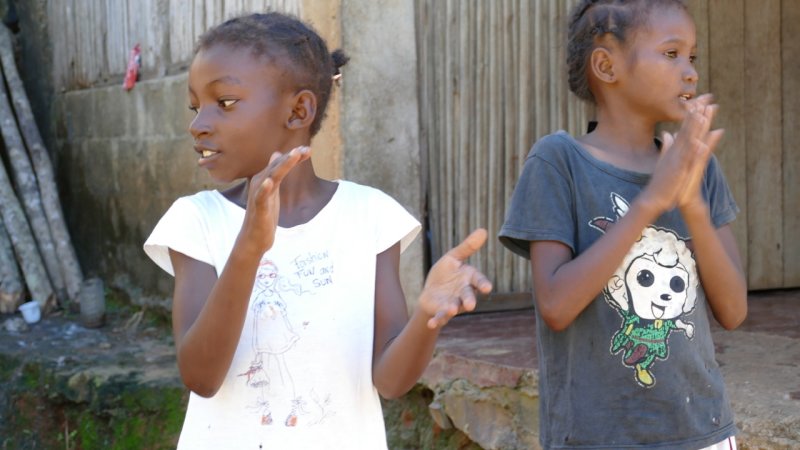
point(564, 286)
point(208, 312)
point(402, 347)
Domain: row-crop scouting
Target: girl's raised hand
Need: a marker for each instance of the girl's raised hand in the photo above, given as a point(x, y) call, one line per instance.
point(692, 197)
point(451, 284)
point(263, 197)
point(680, 154)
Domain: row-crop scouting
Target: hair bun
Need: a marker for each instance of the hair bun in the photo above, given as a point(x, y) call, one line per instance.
point(339, 59)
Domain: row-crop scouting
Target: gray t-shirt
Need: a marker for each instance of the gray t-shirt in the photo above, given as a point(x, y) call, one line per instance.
point(636, 369)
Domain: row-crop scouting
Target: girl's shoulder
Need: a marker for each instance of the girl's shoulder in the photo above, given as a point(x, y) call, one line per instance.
point(205, 206)
point(559, 149)
point(557, 144)
point(359, 194)
point(207, 200)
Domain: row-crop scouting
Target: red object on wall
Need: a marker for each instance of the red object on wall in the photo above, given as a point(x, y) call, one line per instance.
point(132, 73)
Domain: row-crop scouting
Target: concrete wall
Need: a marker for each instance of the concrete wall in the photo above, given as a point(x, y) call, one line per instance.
point(123, 157)
point(380, 125)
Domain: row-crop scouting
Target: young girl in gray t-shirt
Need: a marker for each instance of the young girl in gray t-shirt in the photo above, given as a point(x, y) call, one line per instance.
point(629, 240)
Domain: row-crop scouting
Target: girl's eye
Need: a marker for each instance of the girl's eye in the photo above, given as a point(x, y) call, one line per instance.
point(693, 59)
point(671, 54)
point(227, 103)
point(193, 109)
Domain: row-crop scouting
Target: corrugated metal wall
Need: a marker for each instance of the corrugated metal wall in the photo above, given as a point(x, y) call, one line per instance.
point(492, 81)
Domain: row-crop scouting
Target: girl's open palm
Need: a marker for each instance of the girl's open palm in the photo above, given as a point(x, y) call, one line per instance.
point(451, 283)
point(263, 197)
point(680, 155)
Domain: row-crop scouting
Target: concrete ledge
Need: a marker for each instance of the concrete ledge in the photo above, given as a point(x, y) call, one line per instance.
point(119, 386)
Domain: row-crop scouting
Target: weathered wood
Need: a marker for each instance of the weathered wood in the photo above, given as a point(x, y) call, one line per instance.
point(69, 268)
point(33, 269)
point(726, 81)
point(790, 54)
point(28, 191)
point(764, 142)
point(166, 30)
point(11, 290)
point(699, 9)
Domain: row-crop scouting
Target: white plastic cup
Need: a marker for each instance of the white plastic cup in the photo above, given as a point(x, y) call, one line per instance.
point(31, 311)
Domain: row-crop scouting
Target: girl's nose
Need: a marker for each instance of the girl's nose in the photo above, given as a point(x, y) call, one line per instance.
point(690, 75)
point(199, 125)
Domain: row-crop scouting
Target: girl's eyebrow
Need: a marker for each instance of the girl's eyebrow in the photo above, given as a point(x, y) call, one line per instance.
point(227, 79)
point(675, 40)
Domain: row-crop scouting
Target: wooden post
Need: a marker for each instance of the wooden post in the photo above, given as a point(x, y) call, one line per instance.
point(70, 269)
point(28, 192)
point(11, 291)
point(24, 246)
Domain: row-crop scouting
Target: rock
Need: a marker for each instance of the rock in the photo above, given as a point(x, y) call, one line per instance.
point(15, 325)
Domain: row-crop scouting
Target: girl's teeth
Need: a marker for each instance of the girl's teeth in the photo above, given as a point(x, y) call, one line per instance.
point(207, 153)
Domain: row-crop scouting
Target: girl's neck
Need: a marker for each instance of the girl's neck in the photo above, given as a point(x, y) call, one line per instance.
point(303, 194)
point(623, 140)
point(624, 131)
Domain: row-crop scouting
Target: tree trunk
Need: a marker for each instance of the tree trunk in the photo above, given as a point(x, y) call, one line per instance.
point(11, 291)
point(28, 192)
point(24, 246)
point(70, 268)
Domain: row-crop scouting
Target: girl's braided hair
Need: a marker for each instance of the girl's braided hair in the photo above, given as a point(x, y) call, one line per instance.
point(592, 19)
point(279, 36)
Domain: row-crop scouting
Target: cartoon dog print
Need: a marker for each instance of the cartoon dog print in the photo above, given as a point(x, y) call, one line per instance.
point(653, 290)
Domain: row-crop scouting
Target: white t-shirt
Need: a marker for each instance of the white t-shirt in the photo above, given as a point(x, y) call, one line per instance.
point(301, 377)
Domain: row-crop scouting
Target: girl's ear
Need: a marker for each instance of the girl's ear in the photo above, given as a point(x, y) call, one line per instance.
point(601, 65)
point(304, 110)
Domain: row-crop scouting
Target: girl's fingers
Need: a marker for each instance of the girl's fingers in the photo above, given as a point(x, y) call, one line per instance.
point(467, 298)
point(703, 100)
point(281, 165)
point(667, 139)
point(711, 112)
point(470, 245)
point(480, 282)
point(713, 138)
point(442, 316)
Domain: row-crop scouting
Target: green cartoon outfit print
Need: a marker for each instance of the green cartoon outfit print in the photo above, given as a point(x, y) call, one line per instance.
point(652, 290)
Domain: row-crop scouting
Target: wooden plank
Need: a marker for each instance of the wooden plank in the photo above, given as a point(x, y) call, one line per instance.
point(764, 142)
point(726, 57)
point(181, 31)
point(509, 131)
point(700, 13)
point(449, 125)
point(525, 136)
point(790, 54)
point(482, 116)
point(438, 128)
point(462, 114)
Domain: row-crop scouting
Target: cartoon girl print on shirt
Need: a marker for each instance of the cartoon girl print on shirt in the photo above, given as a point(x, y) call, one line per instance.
point(273, 336)
point(652, 290)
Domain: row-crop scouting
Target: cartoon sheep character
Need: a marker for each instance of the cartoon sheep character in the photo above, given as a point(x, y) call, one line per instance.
point(652, 289)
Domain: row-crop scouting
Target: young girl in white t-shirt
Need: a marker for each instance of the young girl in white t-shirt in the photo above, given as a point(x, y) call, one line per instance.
point(288, 315)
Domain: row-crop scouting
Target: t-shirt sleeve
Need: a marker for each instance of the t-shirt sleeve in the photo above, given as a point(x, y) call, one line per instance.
point(394, 223)
point(181, 229)
point(542, 205)
point(721, 203)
